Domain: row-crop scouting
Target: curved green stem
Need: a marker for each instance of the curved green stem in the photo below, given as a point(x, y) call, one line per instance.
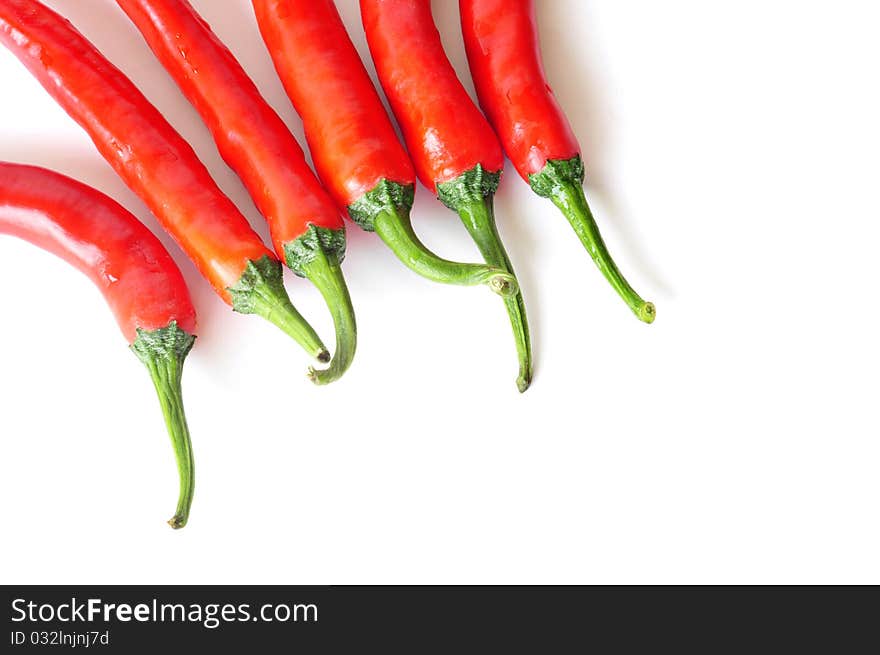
point(317, 255)
point(163, 352)
point(471, 194)
point(260, 291)
point(394, 227)
point(386, 211)
point(562, 182)
point(479, 219)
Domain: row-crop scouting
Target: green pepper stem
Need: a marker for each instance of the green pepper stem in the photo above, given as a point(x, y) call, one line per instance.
point(280, 312)
point(260, 290)
point(163, 352)
point(394, 227)
point(326, 274)
point(572, 201)
point(478, 216)
point(562, 180)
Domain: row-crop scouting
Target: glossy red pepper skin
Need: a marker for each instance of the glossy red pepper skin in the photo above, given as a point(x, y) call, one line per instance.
point(504, 54)
point(131, 134)
point(353, 144)
point(156, 163)
point(139, 280)
point(95, 234)
point(501, 40)
point(250, 135)
point(455, 151)
point(445, 133)
point(307, 229)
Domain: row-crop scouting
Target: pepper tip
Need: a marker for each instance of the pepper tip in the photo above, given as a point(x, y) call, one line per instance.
point(648, 312)
point(177, 521)
point(504, 284)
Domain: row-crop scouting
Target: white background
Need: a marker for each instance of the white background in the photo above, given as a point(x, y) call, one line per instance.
point(732, 152)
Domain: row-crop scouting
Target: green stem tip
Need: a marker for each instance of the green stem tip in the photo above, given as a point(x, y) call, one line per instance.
point(471, 194)
point(563, 182)
point(317, 255)
point(260, 290)
point(163, 351)
point(386, 211)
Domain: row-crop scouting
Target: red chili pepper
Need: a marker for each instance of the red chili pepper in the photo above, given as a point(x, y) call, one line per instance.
point(353, 144)
point(455, 151)
point(501, 38)
point(156, 163)
point(307, 229)
point(137, 276)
